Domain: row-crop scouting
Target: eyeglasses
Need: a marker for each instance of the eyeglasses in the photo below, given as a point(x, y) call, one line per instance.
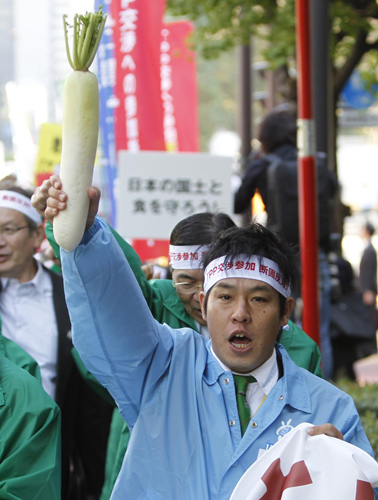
point(186, 287)
point(10, 230)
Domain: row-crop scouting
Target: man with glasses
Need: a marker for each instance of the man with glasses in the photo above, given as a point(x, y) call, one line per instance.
point(29, 419)
point(34, 315)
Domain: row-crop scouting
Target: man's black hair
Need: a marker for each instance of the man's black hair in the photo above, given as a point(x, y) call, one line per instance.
point(257, 240)
point(28, 194)
point(200, 229)
point(277, 129)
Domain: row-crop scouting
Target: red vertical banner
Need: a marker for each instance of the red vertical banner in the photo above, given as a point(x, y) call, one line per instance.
point(137, 36)
point(308, 218)
point(179, 88)
point(179, 97)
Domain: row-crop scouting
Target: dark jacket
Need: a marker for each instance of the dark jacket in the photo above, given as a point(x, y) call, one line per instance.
point(85, 416)
point(255, 178)
point(368, 269)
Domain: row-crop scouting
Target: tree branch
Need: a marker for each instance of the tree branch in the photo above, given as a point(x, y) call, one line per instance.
point(342, 74)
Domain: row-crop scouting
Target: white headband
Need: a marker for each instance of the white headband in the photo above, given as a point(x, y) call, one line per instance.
point(254, 267)
point(187, 256)
point(21, 203)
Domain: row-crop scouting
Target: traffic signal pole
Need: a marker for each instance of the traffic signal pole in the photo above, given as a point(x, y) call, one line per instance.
point(307, 189)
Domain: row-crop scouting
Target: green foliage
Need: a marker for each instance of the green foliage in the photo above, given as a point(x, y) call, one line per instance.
point(217, 92)
point(281, 36)
point(224, 24)
point(366, 400)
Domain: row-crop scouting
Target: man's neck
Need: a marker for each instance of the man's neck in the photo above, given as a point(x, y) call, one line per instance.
point(25, 274)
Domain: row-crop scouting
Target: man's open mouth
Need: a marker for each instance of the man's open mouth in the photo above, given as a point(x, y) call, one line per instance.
point(240, 341)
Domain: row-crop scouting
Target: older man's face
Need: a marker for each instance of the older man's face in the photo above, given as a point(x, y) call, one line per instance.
point(17, 245)
point(192, 278)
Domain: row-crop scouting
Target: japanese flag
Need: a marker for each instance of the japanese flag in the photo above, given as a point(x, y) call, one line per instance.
point(307, 467)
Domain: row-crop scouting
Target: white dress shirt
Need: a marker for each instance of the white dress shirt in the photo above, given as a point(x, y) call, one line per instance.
point(266, 376)
point(28, 318)
point(204, 331)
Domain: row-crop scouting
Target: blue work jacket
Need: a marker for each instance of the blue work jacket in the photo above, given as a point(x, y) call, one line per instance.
point(180, 403)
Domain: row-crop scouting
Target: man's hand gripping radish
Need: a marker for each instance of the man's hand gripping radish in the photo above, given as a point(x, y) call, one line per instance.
point(49, 199)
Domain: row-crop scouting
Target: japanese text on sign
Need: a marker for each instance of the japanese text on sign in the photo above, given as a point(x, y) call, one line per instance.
point(128, 18)
point(158, 189)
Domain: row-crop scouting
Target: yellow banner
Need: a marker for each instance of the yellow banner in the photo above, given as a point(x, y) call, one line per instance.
point(49, 151)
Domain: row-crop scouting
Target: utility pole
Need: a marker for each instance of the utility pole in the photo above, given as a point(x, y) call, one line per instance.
point(245, 109)
point(245, 103)
point(321, 77)
point(308, 213)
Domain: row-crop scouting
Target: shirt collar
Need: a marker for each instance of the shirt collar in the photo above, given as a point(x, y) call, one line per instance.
point(293, 384)
point(203, 330)
point(38, 281)
point(266, 374)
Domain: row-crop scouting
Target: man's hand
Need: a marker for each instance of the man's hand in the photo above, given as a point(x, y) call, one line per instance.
point(149, 272)
point(49, 199)
point(40, 196)
point(327, 429)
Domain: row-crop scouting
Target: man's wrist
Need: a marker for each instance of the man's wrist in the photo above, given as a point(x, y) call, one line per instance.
point(91, 231)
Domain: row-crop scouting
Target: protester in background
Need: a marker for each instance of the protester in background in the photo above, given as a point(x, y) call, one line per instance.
point(348, 323)
point(368, 267)
point(25, 405)
point(176, 302)
point(30, 454)
point(278, 138)
point(19, 356)
point(175, 388)
point(368, 284)
point(30, 427)
point(352, 324)
point(34, 315)
point(277, 134)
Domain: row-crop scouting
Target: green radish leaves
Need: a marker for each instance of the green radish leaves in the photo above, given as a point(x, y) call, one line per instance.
point(87, 31)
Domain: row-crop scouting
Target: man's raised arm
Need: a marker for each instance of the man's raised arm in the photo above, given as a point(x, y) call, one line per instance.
point(113, 330)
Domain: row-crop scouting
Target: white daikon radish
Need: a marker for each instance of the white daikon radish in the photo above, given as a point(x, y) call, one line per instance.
point(79, 128)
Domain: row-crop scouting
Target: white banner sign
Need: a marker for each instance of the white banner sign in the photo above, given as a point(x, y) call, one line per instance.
point(157, 189)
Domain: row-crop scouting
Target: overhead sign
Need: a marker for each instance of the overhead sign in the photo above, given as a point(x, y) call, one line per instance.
point(156, 190)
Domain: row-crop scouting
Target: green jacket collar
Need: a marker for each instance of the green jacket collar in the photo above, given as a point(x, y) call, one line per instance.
point(176, 307)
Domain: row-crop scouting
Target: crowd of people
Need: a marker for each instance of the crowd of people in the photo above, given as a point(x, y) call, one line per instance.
point(61, 425)
point(115, 385)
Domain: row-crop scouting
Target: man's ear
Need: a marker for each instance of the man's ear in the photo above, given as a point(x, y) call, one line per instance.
point(39, 236)
point(289, 306)
point(202, 303)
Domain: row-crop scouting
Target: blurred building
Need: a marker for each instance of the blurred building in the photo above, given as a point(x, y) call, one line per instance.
point(33, 68)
